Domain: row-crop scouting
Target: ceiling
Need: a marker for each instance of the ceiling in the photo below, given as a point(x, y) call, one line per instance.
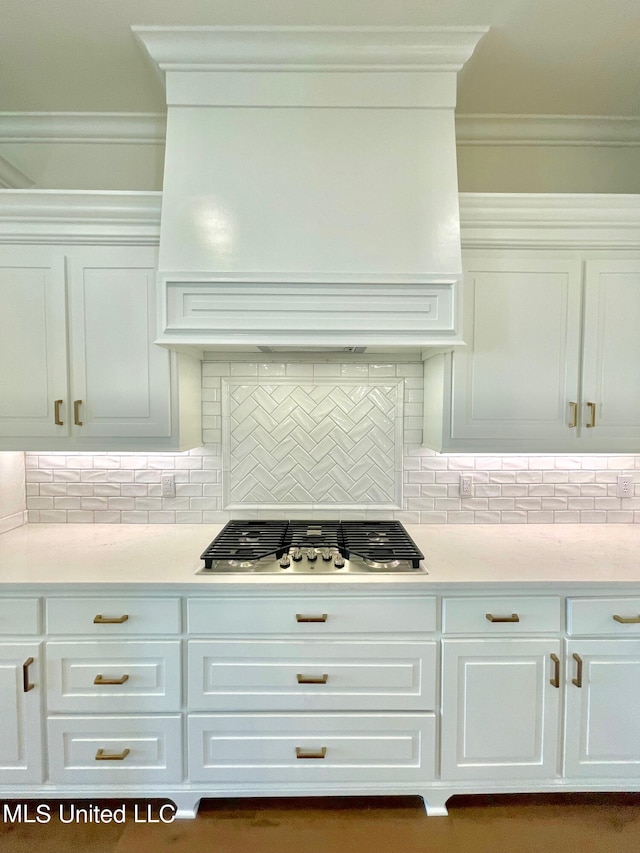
point(544, 57)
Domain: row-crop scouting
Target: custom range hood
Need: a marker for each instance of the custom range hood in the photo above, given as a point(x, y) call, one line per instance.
point(310, 193)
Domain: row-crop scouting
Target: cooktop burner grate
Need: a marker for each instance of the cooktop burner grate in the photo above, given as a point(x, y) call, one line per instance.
point(379, 541)
point(314, 534)
point(247, 540)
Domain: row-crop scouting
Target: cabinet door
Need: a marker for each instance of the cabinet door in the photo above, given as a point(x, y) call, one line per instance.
point(33, 349)
point(500, 712)
point(118, 374)
point(611, 356)
point(602, 729)
point(519, 372)
point(20, 722)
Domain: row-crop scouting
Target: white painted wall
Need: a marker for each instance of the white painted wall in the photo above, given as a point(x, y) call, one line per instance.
point(12, 490)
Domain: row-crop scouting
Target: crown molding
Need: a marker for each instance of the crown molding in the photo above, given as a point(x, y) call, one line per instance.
point(480, 130)
point(308, 48)
point(80, 216)
point(133, 128)
point(549, 220)
point(11, 177)
point(548, 130)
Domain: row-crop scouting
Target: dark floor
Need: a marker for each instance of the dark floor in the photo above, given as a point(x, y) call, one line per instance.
point(585, 823)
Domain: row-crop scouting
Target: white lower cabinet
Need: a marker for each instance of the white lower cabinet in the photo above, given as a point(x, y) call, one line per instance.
point(258, 691)
point(21, 752)
point(500, 709)
point(254, 749)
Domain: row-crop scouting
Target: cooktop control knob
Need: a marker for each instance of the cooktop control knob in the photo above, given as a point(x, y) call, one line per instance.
point(285, 562)
point(339, 561)
point(312, 555)
point(326, 555)
point(296, 555)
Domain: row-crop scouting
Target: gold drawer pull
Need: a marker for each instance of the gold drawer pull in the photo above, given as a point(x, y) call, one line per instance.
point(100, 679)
point(26, 684)
point(301, 618)
point(56, 413)
point(303, 753)
point(76, 412)
point(578, 679)
point(626, 620)
point(110, 620)
point(101, 755)
point(574, 415)
point(513, 618)
point(555, 680)
point(312, 679)
point(592, 415)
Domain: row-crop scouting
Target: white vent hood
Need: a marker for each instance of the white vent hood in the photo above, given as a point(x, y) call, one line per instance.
point(310, 191)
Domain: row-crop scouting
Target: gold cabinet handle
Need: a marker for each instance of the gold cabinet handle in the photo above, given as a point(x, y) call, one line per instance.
point(574, 415)
point(301, 618)
point(626, 620)
point(578, 679)
point(76, 412)
point(555, 680)
point(26, 684)
point(100, 679)
point(101, 755)
point(491, 618)
point(305, 753)
point(56, 413)
point(312, 679)
point(110, 620)
point(592, 415)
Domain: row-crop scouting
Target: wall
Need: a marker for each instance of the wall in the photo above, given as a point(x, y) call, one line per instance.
point(12, 492)
point(243, 435)
point(482, 167)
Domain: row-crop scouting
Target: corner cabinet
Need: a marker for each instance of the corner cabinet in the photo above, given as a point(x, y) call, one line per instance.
point(552, 355)
point(78, 366)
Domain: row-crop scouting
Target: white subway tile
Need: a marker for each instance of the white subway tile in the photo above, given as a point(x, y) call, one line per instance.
point(137, 517)
point(163, 517)
point(215, 368)
point(80, 517)
point(243, 368)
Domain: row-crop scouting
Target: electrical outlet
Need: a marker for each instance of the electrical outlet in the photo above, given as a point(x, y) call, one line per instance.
point(625, 486)
point(168, 482)
point(466, 485)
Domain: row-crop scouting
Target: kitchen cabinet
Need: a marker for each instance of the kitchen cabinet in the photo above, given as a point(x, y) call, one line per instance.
point(551, 361)
point(325, 693)
point(21, 753)
point(250, 689)
point(21, 747)
point(79, 369)
point(602, 728)
point(500, 697)
point(114, 690)
point(78, 366)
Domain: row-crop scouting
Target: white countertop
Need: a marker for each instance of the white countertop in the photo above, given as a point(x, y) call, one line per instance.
point(535, 556)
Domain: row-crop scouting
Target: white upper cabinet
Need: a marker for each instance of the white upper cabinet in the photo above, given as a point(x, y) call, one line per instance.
point(79, 369)
point(519, 374)
point(33, 341)
point(552, 354)
point(610, 403)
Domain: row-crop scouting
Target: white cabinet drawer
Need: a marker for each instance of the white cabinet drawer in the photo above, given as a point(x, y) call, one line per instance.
point(112, 676)
point(307, 748)
point(120, 617)
point(115, 750)
point(494, 615)
point(19, 616)
point(321, 615)
point(619, 616)
point(256, 675)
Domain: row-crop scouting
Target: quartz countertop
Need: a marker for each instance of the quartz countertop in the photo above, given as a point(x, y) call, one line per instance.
point(534, 556)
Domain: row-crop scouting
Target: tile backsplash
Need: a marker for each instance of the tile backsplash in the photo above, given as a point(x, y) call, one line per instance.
point(358, 425)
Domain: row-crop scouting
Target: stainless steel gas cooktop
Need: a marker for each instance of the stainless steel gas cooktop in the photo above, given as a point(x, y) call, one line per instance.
point(312, 547)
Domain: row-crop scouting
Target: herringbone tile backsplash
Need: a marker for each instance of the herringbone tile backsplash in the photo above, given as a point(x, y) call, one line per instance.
point(323, 439)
